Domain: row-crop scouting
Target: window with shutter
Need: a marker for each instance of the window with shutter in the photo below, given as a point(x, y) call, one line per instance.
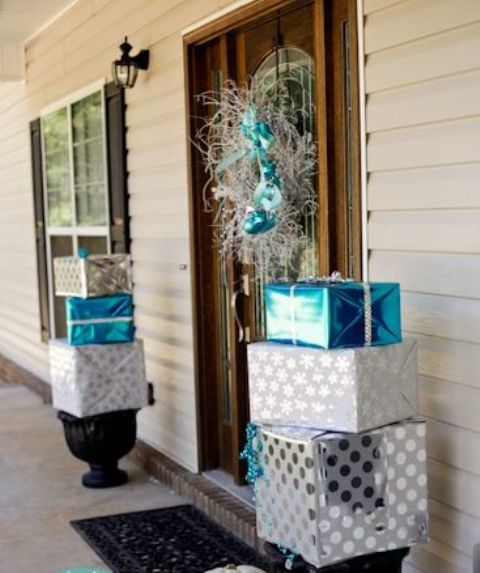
point(80, 187)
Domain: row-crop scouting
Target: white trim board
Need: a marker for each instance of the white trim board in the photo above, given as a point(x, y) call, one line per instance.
point(215, 15)
point(363, 137)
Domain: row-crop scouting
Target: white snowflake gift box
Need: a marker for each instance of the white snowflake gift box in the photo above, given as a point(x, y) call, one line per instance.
point(330, 497)
point(347, 390)
point(97, 378)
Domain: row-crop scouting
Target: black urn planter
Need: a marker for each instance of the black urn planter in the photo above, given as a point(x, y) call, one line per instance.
point(101, 441)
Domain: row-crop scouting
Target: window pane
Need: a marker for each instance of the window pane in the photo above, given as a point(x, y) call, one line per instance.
point(55, 131)
point(94, 245)
point(88, 160)
point(90, 201)
point(57, 168)
point(87, 118)
point(61, 246)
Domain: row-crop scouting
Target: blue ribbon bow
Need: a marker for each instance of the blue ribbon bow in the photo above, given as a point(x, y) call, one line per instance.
point(267, 196)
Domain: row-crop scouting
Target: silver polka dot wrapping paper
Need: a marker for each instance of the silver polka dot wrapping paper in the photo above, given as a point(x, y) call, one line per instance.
point(96, 275)
point(348, 390)
point(97, 378)
point(331, 497)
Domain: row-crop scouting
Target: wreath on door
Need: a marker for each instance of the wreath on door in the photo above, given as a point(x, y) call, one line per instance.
point(261, 170)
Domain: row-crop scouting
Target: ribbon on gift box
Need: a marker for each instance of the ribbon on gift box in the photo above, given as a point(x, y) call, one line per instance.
point(335, 278)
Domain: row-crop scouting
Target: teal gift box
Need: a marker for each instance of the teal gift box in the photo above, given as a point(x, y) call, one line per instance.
point(333, 314)
point(99, 320)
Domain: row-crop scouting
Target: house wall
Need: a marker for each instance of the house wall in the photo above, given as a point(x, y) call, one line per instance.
point(423, 124)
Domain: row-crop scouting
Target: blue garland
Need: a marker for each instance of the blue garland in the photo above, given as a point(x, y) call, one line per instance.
point(251, 454)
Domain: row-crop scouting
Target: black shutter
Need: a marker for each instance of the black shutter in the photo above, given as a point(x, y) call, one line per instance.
point(117, 168)
point(39, 212)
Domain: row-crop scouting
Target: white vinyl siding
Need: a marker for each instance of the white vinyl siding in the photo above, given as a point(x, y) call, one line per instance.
point(423, 160)
point(72, 53)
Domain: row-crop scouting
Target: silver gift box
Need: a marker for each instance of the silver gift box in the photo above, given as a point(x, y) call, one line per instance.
point(97, 378)
point(330, 497)
point(348, 390)
point(95, 275)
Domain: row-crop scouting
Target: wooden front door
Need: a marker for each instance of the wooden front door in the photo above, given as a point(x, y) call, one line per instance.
point(310, 47)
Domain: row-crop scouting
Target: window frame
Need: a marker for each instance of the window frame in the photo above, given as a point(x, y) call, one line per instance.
point(74, 231)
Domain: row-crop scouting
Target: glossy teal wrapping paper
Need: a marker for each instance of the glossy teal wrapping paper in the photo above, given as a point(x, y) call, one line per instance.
point(99, 320)
point(333, 315)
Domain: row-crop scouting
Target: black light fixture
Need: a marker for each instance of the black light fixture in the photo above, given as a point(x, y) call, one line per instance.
point(125, 69)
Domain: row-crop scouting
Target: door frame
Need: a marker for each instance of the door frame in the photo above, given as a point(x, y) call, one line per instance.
point(206, 406)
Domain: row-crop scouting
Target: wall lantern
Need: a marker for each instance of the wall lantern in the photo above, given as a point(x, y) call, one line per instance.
point(125, 69)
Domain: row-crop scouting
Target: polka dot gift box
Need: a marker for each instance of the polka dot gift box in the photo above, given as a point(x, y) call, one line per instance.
point(347, 390)
point(331, 496)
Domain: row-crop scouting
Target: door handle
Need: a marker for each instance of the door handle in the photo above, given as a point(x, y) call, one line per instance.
point(243, 332)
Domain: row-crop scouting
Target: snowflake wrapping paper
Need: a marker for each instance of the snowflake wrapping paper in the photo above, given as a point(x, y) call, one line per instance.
point(331, 497)
point(94, 379)
point(347, 390)
point(95, 275)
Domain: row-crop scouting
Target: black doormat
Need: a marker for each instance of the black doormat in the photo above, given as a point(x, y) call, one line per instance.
point(178, 539)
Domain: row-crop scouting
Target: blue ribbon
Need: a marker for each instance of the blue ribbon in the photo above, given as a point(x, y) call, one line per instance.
point(267, 196)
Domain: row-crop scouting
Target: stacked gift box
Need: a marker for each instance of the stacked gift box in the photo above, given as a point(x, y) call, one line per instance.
point(100, 367)
point(338, 451)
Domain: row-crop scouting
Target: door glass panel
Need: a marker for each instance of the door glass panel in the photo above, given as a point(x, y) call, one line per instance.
point(286, 79)
point(225, 295)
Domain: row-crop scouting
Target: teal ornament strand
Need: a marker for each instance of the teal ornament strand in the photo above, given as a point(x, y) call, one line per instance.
point(257, 221)
point(267, 197)
point(250, 454)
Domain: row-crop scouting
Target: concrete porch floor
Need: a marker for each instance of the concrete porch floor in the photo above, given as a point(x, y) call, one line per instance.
point(40, 490)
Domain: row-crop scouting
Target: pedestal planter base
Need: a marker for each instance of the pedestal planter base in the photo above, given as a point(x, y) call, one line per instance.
point(101, 476)
point(101, 440)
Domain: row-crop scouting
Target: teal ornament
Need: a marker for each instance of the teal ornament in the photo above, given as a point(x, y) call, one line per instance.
point(82, 253)
point(267, 196)
point(258, 221)
point(269, 172)
point(258, 133)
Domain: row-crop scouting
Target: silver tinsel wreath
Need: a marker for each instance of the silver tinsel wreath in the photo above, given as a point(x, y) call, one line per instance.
point(294, 155)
